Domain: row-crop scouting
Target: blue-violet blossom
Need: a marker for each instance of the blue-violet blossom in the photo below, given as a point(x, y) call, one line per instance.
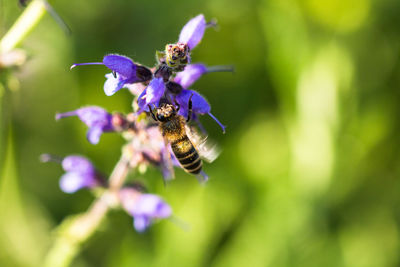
point(190, 74)
point(80, 173)
point(96, 118)
point(193, 72)
point(193, 31)
point(124, 72)
point(144, 208)
point(157, 89)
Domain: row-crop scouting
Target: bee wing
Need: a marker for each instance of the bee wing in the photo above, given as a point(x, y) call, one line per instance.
point(207, 149)
point(167, 165)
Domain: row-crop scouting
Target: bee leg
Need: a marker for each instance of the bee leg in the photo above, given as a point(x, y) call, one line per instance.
point(152, 113)
point(189, 109)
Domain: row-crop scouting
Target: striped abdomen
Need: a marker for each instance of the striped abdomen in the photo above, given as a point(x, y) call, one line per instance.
point(187, 155)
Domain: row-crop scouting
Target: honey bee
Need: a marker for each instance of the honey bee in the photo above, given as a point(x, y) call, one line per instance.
point(185, 144)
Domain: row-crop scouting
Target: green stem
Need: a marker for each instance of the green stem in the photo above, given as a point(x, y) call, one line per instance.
point(25, 23)
point(78, 230)
point(74, 232)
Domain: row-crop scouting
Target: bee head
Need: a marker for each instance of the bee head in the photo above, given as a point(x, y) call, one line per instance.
point(165, 112)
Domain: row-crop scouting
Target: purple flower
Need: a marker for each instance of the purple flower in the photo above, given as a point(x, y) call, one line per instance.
point(193, 31)
point(152, 94)
point(97, 119)
point(124, 72)
point(144, 208)
point(190, 74)
point(156, 90)
point(80, 173)
point(199, 105)
point(193, 72)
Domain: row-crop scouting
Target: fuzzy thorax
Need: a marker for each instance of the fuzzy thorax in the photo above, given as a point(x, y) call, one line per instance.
point(174, 129)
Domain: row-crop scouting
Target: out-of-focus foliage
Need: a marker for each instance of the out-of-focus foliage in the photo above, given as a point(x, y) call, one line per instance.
point(309, 172)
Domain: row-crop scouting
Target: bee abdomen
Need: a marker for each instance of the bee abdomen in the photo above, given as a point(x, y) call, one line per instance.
point(187, 155)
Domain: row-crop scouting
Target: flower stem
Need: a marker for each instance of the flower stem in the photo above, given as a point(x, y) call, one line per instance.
point(68, 241)
point(223, 68)
point(118, 176)
point(25, 23)
point(74, 232)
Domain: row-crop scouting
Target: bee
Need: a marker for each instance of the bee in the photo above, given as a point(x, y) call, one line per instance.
point(185, 144)
point(177, 55)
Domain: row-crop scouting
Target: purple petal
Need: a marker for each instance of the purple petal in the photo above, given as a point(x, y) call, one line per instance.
point(193, 31)
point(202, 177)
point(143, 207)
point(120, 64)
point(135, 88)
point(77, 164)
point(190, 74)
point(142, 101)
point(128, 197)
point(71, 182)
point(152, 94)
point(193, 72)
point(199, 103)
point(83, 64)
point(93, 134)
point(217, 121)
point(151, 206)
point(112, 84)
point(141, 223)
point(155, 91)
point(93, 115)
point(66, 114)
point(97, 119)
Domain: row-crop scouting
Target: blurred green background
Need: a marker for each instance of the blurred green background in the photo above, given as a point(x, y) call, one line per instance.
point(309, 173)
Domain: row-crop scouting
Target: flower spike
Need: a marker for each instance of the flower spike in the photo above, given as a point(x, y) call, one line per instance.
point(166, 141)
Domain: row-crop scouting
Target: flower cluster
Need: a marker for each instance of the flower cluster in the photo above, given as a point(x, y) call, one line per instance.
point(154, 88)
point(170, 79)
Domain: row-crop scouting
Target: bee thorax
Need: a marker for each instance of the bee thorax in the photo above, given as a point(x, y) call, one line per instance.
point(174, 129)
